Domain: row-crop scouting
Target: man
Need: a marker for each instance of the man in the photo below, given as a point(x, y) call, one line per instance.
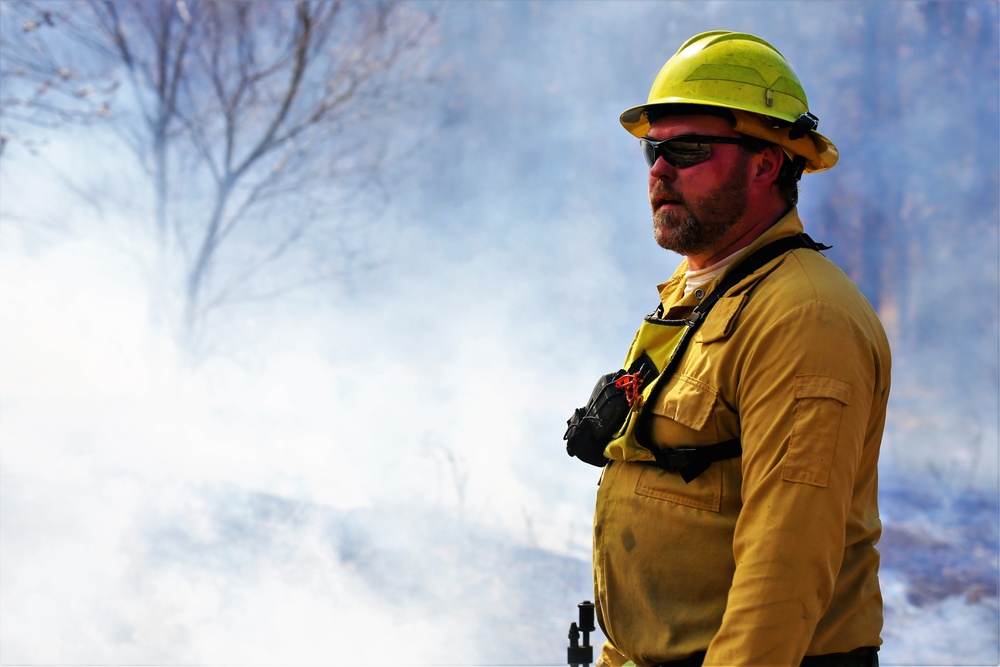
point(737, 517)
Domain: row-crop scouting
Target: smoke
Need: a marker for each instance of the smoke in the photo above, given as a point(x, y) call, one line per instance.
point(298, 510)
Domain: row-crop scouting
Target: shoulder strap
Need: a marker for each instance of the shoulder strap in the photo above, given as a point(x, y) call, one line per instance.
point(757, 259)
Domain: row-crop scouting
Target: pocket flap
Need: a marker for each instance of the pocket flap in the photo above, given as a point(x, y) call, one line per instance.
point(821, 386)
point(689, 402)
point(721, 320)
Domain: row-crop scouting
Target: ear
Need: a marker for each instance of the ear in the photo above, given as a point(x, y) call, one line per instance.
point(769, 163)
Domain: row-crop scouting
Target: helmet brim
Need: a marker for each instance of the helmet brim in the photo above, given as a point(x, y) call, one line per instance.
point(818, 151)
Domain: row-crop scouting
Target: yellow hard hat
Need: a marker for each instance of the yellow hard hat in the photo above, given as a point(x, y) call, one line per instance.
point(745, 74)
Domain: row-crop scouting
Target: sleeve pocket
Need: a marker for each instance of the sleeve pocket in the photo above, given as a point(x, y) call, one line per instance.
point(819, 404)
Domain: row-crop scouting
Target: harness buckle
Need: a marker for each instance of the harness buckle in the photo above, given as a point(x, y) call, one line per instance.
point(676, 458)
point(689, 462)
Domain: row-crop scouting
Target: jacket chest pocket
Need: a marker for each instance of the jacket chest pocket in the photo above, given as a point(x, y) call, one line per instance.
point(703, 493)
point(684, 415)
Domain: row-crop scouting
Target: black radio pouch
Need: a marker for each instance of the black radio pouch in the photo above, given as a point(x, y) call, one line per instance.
point(593, 426)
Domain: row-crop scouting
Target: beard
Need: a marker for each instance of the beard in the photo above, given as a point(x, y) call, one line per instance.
point(696, 226)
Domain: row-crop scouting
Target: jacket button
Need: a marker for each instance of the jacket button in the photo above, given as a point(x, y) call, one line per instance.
point(699, 294)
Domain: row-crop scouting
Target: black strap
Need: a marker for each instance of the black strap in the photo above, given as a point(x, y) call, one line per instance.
point(685, 460)
point(738, 273)
point(692, 461)
point(749, 265)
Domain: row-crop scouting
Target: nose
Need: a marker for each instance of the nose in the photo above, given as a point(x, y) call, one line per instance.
point(661, 169)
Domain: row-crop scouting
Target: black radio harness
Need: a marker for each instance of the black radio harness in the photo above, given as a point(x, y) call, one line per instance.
point(591, 427)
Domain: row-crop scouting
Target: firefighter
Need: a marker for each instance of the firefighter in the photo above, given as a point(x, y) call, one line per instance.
point(736, 517)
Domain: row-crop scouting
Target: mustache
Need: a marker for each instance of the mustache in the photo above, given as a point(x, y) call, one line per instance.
point(660, 193)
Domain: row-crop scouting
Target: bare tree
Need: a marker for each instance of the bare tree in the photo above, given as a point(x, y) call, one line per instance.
point(41, 82)
point(249, 115)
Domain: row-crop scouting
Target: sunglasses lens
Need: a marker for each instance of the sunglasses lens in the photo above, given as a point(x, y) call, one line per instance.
point(648, 151)
point(676, 152)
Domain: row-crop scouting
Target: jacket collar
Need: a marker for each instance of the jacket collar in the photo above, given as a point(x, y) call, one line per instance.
point(672, 291)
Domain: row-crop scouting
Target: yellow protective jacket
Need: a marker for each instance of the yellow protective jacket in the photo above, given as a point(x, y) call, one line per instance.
point(769, 557)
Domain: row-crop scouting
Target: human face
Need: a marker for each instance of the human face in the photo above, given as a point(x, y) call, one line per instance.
point(696, 208)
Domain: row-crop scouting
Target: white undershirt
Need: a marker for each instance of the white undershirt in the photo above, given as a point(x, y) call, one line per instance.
point(695, 279)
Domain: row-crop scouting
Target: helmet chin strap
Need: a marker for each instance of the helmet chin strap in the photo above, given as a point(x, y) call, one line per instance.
point(804, 124)
point(797, 165)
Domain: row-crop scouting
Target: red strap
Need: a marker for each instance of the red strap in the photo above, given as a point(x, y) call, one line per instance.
point(631, 382)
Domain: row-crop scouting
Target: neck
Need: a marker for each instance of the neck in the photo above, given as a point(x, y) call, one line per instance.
point(741, 236)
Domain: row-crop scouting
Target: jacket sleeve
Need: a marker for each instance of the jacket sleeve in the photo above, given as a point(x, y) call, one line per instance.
point(804, 397)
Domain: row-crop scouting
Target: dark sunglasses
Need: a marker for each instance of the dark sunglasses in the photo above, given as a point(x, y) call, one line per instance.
point(688, 150)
